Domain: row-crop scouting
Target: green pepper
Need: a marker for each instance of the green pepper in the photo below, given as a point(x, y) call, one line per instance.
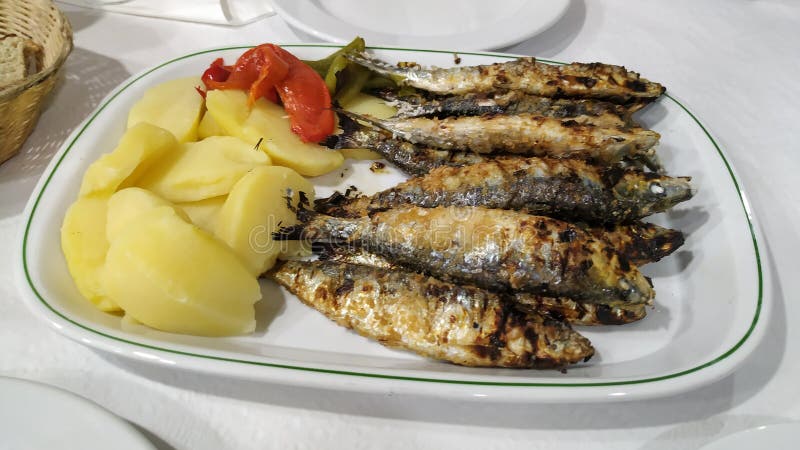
point(350, 81)
point(338, 64)
point(322, 66)
point(346, 79)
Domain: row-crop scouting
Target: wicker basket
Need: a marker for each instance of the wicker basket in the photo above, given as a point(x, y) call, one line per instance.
point(21, 102)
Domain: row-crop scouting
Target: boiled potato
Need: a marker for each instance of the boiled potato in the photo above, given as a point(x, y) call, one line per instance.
point(229, 110)
point(209, 127)
point(129, 203)
point(201, 170)
point(173, 105)
point(204, 213)
point(268, 123)
point(172, 276)
point(139, 148)
point(370, 105)
point(83, 241)
point(255, 208)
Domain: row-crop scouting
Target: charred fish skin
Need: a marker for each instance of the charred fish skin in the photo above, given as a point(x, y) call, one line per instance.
point(581, 313)
point(593, 80)
point(522, 134)
point(460, 324)
point(560, 188)
point(563, 309)
point(583, 111)
point(494, 249)
point(640, 242)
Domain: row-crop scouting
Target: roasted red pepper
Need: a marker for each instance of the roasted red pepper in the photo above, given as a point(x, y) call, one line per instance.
point(269, 71)
point(306, 99)
point(216, 73)
point(273, 69)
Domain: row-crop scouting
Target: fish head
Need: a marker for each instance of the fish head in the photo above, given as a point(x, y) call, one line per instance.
point(652, 192)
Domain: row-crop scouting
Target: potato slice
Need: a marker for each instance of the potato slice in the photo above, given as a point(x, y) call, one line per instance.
point(268, 123)
point(230, 111)
point(173, 105)
point(84, 243)
point(370, 105)
point(204, 213)
point(172, 276)
point(128, 204)
point(139, 148)
point(201, 170)
point(209, 127)
point(255, 208)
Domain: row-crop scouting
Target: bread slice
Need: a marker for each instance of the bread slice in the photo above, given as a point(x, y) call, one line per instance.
point(19, 58)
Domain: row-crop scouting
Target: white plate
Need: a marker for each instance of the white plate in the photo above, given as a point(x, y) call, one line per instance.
point(711, 307)
point(781, 436)
point(37, 416)
point(445, 24)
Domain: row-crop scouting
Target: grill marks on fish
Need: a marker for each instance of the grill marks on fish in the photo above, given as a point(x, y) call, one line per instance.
point(564, 189)
point(494, 249)
point(593, 80)
point(523, 134)
point(640, 242)
point(560, 308)
point(581, 313)
point(461, 324)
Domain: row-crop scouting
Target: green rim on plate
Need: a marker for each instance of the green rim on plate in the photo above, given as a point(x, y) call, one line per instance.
point(379, 375)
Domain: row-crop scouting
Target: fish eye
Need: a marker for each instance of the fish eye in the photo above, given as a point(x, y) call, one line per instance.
point(656, 188)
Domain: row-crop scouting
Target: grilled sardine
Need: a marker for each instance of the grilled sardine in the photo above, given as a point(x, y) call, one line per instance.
point(494, 249)
point(522, 134)
point(638, 242)
point(561, 308)
point(596, 112)
point(560, 188)
point(461, 324)
point(411, 159)
point(593, 80)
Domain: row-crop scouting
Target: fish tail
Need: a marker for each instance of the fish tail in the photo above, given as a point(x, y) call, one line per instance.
point(291, 233)
point(325, 251)
point(354, 133)
point(348, 204)
point(376, 65)
point(347, 138)
point(316, 227)
point(304, 216)
point(355, 118)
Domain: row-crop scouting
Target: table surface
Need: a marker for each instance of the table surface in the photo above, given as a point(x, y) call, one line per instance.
point(734, 62)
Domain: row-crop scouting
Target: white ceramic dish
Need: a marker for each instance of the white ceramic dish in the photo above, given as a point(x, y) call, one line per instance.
point(711, 307)
point(451, 24)
point(779, 436)
point(38, 416)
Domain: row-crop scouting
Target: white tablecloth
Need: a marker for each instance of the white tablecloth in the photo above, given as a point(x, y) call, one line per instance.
point(735, 63)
